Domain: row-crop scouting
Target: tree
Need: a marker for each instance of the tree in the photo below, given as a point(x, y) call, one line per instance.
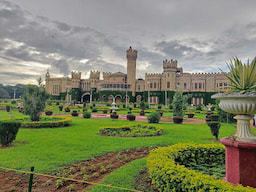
point(34, 101)
point(179, 101)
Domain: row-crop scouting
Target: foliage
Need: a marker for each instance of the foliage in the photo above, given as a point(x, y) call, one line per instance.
point(94, 110)
point(13, 102)
point(179, 101)
point(67, 109)
point(170, 106)
point(154, 117)
point(243, 76)
point(75, 113)
point(137, 130)
point(142, 105)
point(8, 108)
point(8, 132)
point(93, 104)
point(60, 107)
point(53, 121)
point(108, 104)
point(49, 113)
point(159, 106)
point(169, 168)
point(199, 107)
point(87, 114)
point(84, 104)
point(34, 102)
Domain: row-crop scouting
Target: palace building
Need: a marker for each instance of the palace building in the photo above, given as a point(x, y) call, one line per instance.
point(157, 88)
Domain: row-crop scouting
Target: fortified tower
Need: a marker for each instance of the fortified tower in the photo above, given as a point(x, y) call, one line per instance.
point(131, 68)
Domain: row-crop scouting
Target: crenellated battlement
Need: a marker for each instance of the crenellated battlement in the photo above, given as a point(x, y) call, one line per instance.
point(153, 75)
point(170, 64)
point(76, 75)
point(131, 54)
point(94, 75)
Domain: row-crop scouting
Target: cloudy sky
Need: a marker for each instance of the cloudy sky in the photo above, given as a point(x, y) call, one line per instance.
point(84, 35)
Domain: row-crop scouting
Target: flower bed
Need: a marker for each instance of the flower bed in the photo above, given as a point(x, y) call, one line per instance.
point(167, 168)
point(54, 121)
point(137, 130)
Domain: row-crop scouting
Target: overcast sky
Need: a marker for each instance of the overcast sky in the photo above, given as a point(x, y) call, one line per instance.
point(84, 35)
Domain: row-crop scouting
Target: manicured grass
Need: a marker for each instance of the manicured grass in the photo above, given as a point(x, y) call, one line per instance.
point(124, 177)
point(47, 149)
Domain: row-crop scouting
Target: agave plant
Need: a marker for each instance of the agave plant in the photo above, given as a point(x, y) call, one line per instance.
point(242, 76)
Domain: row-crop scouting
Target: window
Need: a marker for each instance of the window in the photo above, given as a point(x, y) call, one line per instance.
point(195, 85)
point(168, 85)
point(200, 85)
point(185, 85)
point(138, 87)
point(154, 85)
point(220, 84)
point(168, 74)
point(151, 85)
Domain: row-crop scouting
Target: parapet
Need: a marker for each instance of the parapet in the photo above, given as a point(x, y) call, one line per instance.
point(94, 75)
point(75, 75)
point(170, 64)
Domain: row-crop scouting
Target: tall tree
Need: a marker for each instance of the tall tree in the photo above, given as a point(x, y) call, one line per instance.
point(34, 101)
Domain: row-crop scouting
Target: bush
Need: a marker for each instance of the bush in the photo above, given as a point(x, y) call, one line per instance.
point(84, 109)
point(170, 106)
point(142, 105)
point(94, 110)
point(179, 100)
point(75, 113)
point(13, 102)
point(49, 113)
point(138, 130)
point(199, 107)
point(61, 107)
point(105, 111)
point(214, 124)
point(131, 117)
point(124, 106)
point(159, 106)
point(67, 109)
point(84, 105)
point(93, 104)
point(134, 105)
point(8, 108)
point(108, 104)
point(86, 114)
point(57, 103)
point(8, 132)
point(168, 168)
point(154, 117)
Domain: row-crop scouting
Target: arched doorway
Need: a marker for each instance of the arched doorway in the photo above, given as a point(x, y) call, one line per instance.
point(118, 99)
point(86, 98)
point(110, 98)
point(138, 98)
point(126, 98)
point(103, 98)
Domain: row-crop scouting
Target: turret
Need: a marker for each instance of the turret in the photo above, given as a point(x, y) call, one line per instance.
point(131, 68)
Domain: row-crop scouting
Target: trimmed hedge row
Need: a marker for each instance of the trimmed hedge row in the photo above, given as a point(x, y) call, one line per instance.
point(138, 130)
point(168, 172)
point(54, 121)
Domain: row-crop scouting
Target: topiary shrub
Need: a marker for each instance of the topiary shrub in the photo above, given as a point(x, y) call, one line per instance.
point(170, 168)
point(8, 132)
point(94, 110)
point(179, 101)
point(67, 109)
point(13, 102)
point(124, 106)
point(159, 106)
point(84, 105)
point(142, 112)
point(170, 106)
point(60, 107)
point(75, 113)
point(114, 115)
point(49, 113)
point(154, 117)
point(161, 113)
point(214, 125)
point(57, 103)
point(105, 111)
point(8, 108)
point(86, 114)
point(131, 117)
point(93, 104)
point(134, 105)
point(199, 107)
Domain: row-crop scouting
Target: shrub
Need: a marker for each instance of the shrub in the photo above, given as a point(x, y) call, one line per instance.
point(84, 104)
point(134, 105)
point(75, 113)
point(124, 106)
point(138, 130)
point(213, 108)
point(61, 107)
point(67, 109)
point(142, 105)
point(114, 115)
point(86, 114)
point(94, 110)
point(49, 113)
point(8, 132)
point(108, 104)
point(214, 124)
point(131, 117)
point(159, 106)
point(199, 107)
point(154, 117)
point(13, 102)
point(57, 103)
point(8, 108)
point(167, 168)
point(84, 109)
point(105, 111)
point(179, 100)
point(170, 106)
point(93, 104)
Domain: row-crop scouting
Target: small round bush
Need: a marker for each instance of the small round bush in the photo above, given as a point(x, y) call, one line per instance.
point(154, 117)
point(131, 117)
point(134, 105)
point(87, 114)
point(93, 104)
point(13, 102)
point(105, 111)
point(67, 109)
point(49, 113)
point(124, 106)
point(8, 132)
point(75, 113)
point(159, 106)
point(94, 110)
point(60, 107)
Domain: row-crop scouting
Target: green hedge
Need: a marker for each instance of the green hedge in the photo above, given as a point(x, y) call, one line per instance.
point(53, 121)
point(8, 131)
point(138, 130)
point(168, 175)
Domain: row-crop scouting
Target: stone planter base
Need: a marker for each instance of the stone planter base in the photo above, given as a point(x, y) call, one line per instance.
point(177, 120)
point(240, 162)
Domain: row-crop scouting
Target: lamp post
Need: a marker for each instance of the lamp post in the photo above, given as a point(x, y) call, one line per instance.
point(125, 95)
point(14, 93)
point(148, 95)
point(91, 97)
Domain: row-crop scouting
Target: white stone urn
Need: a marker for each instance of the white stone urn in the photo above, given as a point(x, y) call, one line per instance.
point(244, 105)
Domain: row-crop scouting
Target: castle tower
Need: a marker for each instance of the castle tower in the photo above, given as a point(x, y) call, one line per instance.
point(47, 78)
point(131, 68)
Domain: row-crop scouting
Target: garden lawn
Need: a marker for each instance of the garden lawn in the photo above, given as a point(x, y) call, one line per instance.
point(50, 148)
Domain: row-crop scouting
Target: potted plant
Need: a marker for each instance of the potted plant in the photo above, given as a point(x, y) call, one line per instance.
point(241, 99)
point(178, 103)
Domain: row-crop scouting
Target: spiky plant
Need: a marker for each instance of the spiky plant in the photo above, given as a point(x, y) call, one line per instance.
point(242, 76)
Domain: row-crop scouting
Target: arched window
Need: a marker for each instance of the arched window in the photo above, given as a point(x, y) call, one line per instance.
point(168, 84)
